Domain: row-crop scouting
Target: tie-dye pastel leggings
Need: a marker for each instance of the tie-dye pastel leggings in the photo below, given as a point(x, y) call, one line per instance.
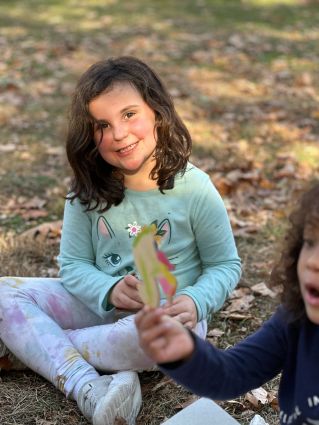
point(57, 336)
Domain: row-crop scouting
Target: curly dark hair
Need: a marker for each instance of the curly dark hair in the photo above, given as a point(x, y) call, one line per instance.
point(95, 182)
point(285, 271)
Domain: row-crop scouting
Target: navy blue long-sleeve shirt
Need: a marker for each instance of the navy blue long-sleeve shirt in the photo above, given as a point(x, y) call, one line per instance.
point(278, 346)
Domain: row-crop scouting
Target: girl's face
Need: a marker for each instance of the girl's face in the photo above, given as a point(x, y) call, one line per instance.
point(308, 272)
point(124, 131)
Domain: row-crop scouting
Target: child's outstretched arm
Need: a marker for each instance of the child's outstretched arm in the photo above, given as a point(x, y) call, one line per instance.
point(206, 370)
point(162, 338)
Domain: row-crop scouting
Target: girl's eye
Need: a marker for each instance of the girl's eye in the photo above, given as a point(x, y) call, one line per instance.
point(112, 259)
point(129, 114)
point(308, 243)
point(101, 126)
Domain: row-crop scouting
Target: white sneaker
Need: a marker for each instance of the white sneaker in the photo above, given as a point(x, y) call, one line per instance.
point(111, 398)
point(8, 361)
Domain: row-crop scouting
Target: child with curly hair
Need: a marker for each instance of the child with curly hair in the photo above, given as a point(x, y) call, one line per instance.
point(288, 343)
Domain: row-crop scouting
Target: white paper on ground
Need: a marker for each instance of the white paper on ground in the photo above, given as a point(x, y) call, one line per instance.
point(258, 420)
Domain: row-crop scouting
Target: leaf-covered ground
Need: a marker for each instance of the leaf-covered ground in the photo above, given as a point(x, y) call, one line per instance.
point(244, 77)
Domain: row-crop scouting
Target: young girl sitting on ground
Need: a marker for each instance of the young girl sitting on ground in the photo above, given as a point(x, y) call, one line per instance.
point(129, 152)
point(287, 343)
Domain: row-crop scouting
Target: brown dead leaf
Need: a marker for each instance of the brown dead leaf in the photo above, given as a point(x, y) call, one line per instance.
point(34, 203)
point(288, 170)
point(262, 289)
point(235, 316)
point(257, 397)
point(9, 147)
point(246, 232)
point(241, 227)
point(252, 400)
point(215, 333)
point(236, 175)
point(34, 214)
point(273, 400)
point(223, 185)
point(239, 292)
point(240, 304)
point(305, 79)
point(43, 232)
point(261, 395)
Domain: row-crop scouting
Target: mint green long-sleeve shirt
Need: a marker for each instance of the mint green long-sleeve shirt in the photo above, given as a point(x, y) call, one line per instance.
point(194, 231)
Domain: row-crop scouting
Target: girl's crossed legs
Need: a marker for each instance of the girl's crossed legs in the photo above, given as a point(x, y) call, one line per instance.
point(58, 337)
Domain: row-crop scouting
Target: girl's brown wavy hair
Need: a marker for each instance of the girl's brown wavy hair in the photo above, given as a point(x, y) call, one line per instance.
point(285, 271)
point(95, 182)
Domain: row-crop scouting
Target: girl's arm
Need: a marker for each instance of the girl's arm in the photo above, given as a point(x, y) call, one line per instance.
point(221, 266)
point(206, 370)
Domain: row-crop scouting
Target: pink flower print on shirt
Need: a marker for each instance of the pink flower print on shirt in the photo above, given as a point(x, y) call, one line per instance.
point(133, 229)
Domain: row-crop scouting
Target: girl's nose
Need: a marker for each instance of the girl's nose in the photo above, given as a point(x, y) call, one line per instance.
point(120, 131)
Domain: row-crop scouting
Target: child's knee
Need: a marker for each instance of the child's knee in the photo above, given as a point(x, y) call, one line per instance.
point(13, 289)
point(12, 282)
point(8, 288)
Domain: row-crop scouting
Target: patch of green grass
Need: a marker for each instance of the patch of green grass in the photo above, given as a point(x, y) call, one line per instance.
point(13, 222)
point(307, 154)
point(274, 229)
point(56, 207)
point(51, 15)
point(26, 185)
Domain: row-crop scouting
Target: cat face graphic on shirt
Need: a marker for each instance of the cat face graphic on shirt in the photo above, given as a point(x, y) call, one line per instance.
point(114, 258)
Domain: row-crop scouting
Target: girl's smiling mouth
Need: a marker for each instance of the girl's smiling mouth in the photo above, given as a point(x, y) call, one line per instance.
point(127, 149)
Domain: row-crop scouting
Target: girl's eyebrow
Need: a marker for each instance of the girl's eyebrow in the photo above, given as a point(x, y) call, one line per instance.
point(125, 109)
point(99, 121)
point(128, 107)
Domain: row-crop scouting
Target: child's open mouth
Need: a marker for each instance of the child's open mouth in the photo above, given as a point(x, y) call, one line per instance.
point(312, 294)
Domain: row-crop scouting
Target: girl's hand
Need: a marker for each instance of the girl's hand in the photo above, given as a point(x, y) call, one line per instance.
point(124, 294)
point(162, 338)
point(182, 309)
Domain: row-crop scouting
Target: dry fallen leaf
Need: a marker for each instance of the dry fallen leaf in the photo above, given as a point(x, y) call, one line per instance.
point(240, 292)
point(240, 304)
point(262, 289)
point(34, 203)
point(235, 316)
point(259, 396)
point(33, 214)
point(215, 333)
point(43, 232)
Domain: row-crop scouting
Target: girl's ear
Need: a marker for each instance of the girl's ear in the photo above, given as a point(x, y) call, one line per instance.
point(104, 228)
point(163, 232)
